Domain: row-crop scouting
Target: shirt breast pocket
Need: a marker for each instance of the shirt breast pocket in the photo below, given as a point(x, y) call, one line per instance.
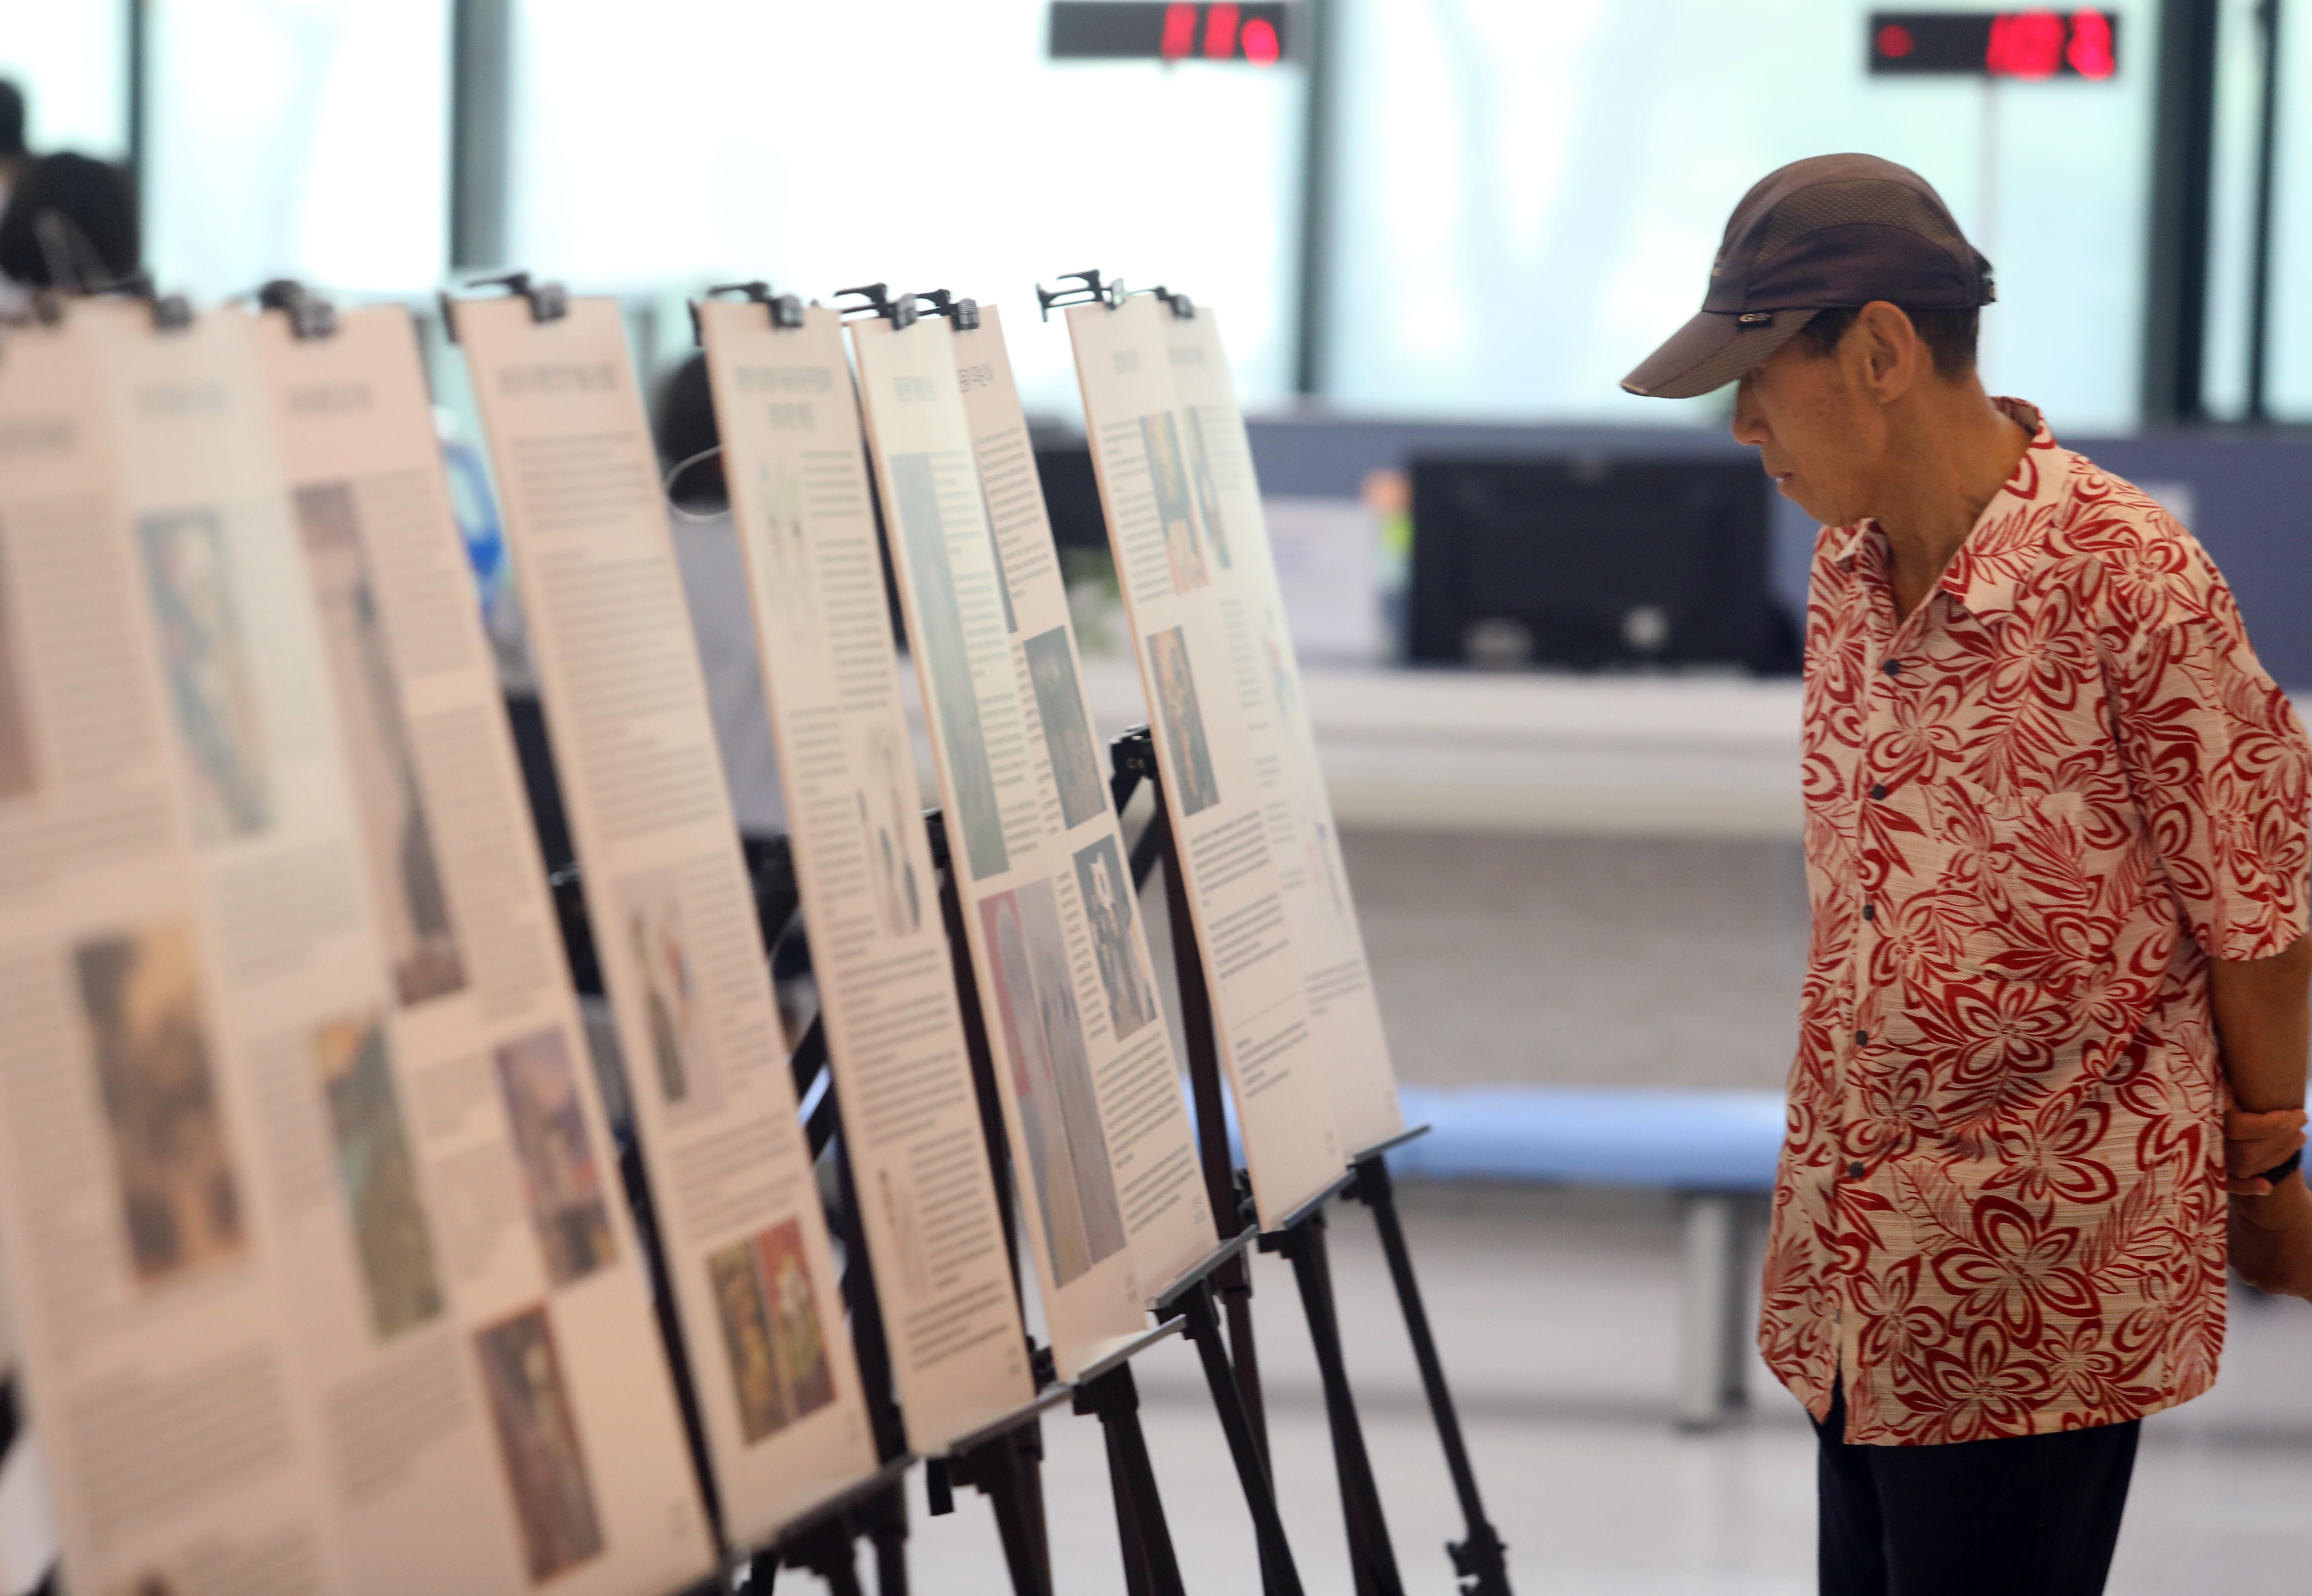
point(2032, 914)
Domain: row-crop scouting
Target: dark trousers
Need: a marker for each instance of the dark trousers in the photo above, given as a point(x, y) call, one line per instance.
point(2035, 1515)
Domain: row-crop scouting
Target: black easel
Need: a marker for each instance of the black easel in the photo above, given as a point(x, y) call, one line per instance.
point(1479, 1558)
point(1007, 1467)
point(1300, 1241)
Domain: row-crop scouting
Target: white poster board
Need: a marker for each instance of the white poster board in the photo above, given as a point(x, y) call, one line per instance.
point(1102, 1148)
point(794, 457)
point(1192, 627)
point(671, 910)
point(1344, 1014)
point(152, 1018)
point(478, 1080)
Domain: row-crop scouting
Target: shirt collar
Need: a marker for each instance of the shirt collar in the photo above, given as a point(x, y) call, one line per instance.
point(1983, 575)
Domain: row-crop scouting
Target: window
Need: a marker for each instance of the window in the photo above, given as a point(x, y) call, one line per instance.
point(71, 64)
point(304, 138)
point(916, 141)
point(1530, 194)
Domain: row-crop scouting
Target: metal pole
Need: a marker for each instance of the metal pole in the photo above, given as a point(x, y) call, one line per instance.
point(2259, 293)
point(481, 84)
point(2182, 152)
point(139, 52)
point(1319, 57)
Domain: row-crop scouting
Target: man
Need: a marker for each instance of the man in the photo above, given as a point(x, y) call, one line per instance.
point(2055, 1006)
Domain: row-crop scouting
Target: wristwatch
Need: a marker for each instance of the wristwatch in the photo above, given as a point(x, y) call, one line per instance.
point(2280, 1171)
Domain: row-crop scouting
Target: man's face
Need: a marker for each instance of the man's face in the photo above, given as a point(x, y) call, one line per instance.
point(1817, 433)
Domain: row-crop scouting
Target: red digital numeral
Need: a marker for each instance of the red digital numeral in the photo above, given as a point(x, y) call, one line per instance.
point(2090, 50)
point(1220, 32)
point(1179, 32)
point(2028, 44)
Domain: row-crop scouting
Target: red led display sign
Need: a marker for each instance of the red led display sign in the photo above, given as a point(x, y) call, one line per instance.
point(2030, 45)
point(1136, 31)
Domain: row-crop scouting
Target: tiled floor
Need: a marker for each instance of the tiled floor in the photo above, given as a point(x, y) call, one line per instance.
point(1554, 1317)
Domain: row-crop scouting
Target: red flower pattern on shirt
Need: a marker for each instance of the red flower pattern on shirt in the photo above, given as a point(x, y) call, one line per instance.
point(2034, 809)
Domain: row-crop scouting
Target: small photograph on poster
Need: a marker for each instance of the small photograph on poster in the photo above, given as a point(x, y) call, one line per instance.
point(18, 771)
point(1183, 721)
point(1067, 730)
point(996, 556)
point(649, 910)
point(783, 546)
point(560, 1175)
point(1051, 1076)
point(771, 1326)
point(189, 577)
point(378, 1174)
point(886, 796)
point(977, 823)
point(1167, 477)
point(907, 1232)
point(537, 1441)
point(1107, 908)
point(413, 908)
point(179, 1197)
point(1208, 493)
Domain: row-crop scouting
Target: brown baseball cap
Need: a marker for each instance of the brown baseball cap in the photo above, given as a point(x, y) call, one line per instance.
point(1825, 231)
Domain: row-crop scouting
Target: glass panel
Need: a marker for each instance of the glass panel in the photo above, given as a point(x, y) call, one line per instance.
point(916, 141)
point(304, 138)
point(1530, 194)
point(72, 62)
point(2289, 363)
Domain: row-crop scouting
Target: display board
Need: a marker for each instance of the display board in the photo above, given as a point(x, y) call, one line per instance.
point(1343, 1013)
point(794, 457)
point(140, 1195)
point(479, 1178)
point(289, 1329)
point(1211, 693)
point(670, 909)
point(1104, 1153)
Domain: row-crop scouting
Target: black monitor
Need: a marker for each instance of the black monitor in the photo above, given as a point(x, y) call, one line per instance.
point(1589, 563)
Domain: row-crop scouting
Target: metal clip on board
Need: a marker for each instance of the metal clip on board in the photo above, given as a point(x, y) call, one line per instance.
point(785, 310)
point(310, 315)
point(549, 302)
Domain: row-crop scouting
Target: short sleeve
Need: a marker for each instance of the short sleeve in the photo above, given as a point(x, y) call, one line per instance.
point(2220, 766)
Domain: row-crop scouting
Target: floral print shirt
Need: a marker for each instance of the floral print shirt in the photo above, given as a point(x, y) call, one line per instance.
point(2035, 810)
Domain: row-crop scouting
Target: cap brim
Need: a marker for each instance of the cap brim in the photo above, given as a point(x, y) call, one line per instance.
point(1712, 350)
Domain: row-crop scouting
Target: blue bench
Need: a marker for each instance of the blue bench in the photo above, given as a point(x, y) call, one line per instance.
point(1714, 1150)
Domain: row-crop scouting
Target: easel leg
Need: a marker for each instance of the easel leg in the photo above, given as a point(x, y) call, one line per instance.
point(1482, 1559)
point(1279, 1577)
point(1005, 1471)
point(1371, 1554)
point(1149, 1566)
point(830, 1553)
point(886, 1525)
point(1233, 1282)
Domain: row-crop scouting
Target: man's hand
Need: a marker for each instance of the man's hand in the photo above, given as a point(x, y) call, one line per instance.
point(2255, 1142)
point(2271, 1239)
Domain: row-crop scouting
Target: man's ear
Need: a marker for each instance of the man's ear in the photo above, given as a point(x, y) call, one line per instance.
point(1890, 350)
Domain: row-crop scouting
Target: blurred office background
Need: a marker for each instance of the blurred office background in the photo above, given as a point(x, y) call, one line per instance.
point(1434, 228)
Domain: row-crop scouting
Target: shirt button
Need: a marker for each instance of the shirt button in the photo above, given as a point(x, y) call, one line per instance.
point(1871, 912)
point(1879, 792)
point(1855, 1171)
point(1893, 668)
point(1862, 1039)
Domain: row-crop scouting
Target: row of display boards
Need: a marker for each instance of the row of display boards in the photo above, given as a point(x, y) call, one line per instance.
point(322, 1274)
